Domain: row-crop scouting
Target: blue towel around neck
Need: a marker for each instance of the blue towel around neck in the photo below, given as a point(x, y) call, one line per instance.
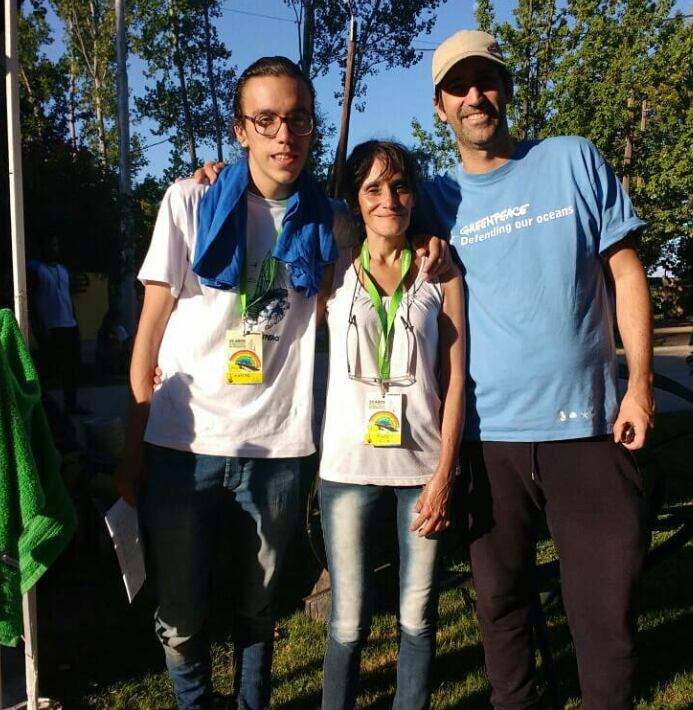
point(306, 242)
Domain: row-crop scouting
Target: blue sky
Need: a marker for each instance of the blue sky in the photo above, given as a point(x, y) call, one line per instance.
point(394, 96)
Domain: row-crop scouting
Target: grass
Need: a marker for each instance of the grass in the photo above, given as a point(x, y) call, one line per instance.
point(127, 672)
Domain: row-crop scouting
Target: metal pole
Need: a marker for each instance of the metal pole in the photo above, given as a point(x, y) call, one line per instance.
point(126, 274)
point(340, 156)
point(14, 160)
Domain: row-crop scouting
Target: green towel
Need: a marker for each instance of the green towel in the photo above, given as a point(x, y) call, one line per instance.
point(36, 516)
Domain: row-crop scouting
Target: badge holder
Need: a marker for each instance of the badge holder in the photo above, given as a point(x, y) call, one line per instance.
point(383, 419)
point(244, 365)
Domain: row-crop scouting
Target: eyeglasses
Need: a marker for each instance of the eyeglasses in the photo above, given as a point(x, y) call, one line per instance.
point(353, 344)
point(405, 379)
point(268, 123)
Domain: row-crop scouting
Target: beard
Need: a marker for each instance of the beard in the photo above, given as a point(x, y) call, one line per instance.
point(483, 136)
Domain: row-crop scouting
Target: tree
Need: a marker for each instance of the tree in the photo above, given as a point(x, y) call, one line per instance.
point(532, 48)
point(90, 30)
point(386, 32)
point(625, 83)
point(43, 83)
point(193, 76)
point(435, 151)
point(485, 16)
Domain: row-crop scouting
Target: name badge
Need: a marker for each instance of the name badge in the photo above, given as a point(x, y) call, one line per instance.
point(383, 419)
point(243, 358)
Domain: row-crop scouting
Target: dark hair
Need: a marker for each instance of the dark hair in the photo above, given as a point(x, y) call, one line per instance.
point(395, 157)
point(269, 66)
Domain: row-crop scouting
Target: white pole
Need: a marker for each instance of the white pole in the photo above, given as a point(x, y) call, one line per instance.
point(14, 156)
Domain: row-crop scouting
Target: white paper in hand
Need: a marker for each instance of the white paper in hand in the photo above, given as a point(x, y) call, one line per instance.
point(121, 521)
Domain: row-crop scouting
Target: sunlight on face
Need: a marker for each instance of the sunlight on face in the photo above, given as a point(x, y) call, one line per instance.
point(385, 201)
point(275, 162)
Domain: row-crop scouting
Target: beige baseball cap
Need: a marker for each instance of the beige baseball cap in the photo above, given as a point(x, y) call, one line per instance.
point(464, 44)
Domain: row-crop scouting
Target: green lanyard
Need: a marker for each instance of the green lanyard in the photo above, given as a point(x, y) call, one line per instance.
point(386, 320)
point(265, 280)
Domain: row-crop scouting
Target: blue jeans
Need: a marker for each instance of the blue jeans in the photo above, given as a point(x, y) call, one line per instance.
point(349, 513)
point(184, 498)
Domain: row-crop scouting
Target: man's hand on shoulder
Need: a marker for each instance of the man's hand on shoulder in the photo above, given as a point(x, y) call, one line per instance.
point(208, 173)
point(438, 256)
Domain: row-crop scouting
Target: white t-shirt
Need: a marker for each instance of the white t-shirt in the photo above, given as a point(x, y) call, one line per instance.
point(194, 409)
point(344, 457)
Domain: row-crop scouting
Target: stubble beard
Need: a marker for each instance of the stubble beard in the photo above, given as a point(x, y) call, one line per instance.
point(497, 138)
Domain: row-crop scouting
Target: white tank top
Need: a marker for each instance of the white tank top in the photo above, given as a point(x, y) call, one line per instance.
point(344, 457)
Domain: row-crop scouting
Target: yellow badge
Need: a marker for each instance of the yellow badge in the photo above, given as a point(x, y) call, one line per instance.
point(243, 358)
point(384, 419)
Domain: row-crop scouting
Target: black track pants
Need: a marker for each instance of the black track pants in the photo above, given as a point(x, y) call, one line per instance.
point(591, 495)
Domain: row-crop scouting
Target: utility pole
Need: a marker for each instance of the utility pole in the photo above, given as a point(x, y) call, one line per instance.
point(307, 40)
point(340, 156)
point(628, 150)
point(126, 253)
point(639, 181)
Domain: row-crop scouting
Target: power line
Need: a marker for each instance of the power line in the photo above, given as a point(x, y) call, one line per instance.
point(257, 14)
point(142, 148)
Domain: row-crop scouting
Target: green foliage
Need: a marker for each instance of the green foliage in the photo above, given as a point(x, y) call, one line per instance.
point(43, 83)
point(320, 156)
point(90, 68)
point(178, 58)
point(627, 77)
point(532, 46)
point(484, 15)
point(435, 151)
point(386, 32)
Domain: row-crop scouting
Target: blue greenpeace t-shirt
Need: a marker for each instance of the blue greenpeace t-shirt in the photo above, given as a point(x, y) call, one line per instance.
point(531, 236)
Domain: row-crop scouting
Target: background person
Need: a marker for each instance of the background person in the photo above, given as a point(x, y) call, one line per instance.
point(53, 321)
point(546, 237)
point(396, 375)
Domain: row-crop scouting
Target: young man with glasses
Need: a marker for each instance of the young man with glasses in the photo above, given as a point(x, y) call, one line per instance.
point(229, 315)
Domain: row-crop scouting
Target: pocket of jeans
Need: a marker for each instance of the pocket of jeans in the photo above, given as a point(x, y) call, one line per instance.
point(629, 468)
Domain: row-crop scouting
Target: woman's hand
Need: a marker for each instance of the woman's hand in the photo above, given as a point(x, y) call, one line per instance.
point(433, 506)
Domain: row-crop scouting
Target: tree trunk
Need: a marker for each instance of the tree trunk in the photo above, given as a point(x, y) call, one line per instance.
point(218, 123)
point(180, 70)
point(72, 113)
point(98, 103)
point(100, 121)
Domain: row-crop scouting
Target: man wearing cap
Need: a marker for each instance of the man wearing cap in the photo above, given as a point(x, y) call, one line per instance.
point(546, 235)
